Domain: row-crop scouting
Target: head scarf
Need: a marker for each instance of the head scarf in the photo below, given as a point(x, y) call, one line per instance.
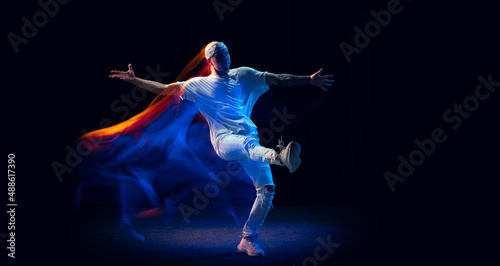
point(213, 48)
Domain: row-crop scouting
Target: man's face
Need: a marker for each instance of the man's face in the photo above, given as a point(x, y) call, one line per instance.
point(221, 61)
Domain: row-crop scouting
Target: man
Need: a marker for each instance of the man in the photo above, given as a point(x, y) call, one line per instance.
point(225, 99)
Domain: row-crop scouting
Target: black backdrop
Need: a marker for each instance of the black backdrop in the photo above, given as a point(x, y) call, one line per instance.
point(426, 59)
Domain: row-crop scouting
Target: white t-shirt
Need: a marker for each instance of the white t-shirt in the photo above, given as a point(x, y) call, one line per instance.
point(226, 102)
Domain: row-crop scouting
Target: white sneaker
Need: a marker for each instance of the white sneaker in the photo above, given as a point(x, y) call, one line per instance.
point(289, 155)
point(250, 245)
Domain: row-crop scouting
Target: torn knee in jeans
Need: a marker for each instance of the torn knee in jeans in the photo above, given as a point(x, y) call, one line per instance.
point(266, 194)
point(270, 188)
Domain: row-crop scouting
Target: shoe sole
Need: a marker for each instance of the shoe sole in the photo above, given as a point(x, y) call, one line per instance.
point(242, 250)
point(293, 156)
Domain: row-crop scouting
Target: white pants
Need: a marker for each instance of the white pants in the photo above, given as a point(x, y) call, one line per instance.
point(255, 161)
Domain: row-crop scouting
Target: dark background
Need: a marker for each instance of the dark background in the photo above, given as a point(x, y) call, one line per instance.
point(394, 91)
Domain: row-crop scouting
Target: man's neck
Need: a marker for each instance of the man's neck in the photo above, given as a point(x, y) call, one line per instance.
point(218, 74)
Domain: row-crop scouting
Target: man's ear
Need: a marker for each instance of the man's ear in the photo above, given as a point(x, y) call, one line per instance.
point(209, 61)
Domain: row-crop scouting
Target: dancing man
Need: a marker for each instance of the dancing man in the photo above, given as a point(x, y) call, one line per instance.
point(225, 98)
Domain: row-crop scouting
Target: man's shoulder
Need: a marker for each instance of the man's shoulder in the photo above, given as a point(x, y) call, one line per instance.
point(244, 73)
point(193, 80)
point(243, 70)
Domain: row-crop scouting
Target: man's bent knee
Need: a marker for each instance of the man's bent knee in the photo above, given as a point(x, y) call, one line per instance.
point(266, 195)
point(270, 187)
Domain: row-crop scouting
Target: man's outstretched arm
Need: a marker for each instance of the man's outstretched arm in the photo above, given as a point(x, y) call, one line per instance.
point(149, 85)
point(293, 80)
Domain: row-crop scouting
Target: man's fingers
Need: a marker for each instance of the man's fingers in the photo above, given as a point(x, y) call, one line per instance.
point(322, 81)
point(318, 72)
point(115, 76)
point(118, 72)
point(123, 72)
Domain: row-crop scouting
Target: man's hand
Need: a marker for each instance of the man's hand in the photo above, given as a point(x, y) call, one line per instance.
point(149, 85)
point(128, 76)
point(321, 81)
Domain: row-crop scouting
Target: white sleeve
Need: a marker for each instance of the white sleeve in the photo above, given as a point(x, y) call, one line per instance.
point(187, 92)
point(255, 81)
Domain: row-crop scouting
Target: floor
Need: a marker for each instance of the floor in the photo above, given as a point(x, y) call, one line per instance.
point(290, 236)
